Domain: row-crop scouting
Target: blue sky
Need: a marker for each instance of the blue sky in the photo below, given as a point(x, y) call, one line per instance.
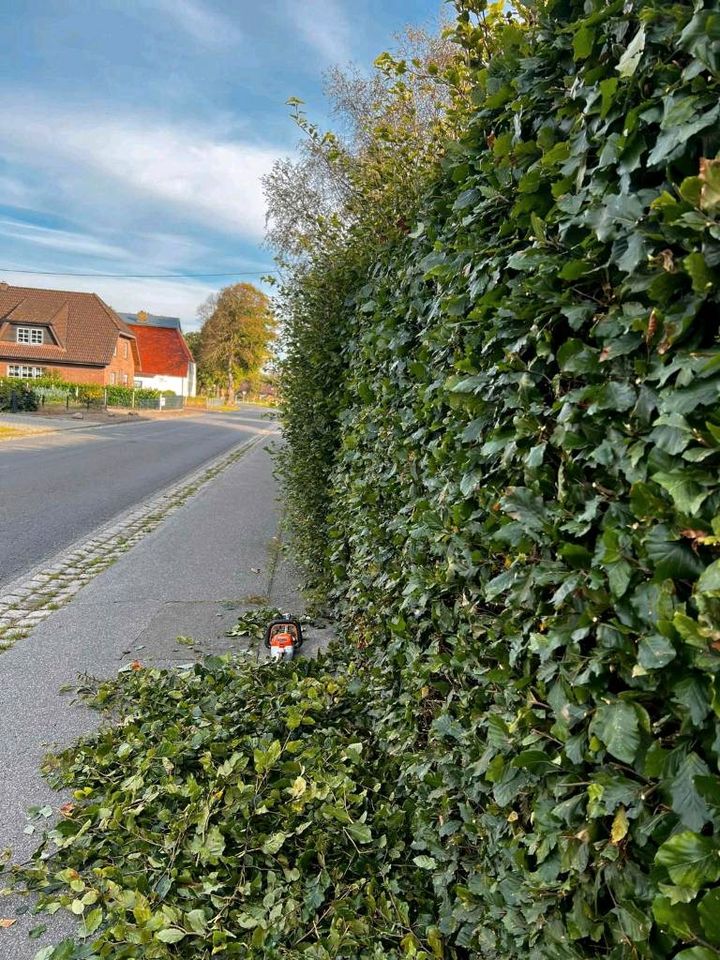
point(135, 132)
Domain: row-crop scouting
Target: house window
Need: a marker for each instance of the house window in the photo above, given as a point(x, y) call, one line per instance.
point(125, 379)
point(126, 349)
point(30, 335)
point(25, 372)
point(115, 350)
point(113, 377)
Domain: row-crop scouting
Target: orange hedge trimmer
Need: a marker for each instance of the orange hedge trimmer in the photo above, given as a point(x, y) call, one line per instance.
point(283, 637)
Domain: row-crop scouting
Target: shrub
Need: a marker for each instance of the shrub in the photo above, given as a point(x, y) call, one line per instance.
point(123, 396)
point(16, 393)
point(92, 394)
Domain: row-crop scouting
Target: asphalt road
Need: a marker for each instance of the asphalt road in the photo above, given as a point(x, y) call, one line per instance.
point(199, 569)
point(56, 488)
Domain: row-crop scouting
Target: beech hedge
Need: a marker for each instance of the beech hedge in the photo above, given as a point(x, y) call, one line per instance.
point(525, 509)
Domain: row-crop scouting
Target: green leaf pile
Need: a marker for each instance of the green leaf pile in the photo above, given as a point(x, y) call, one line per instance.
point(231, 810)
point(502, 465)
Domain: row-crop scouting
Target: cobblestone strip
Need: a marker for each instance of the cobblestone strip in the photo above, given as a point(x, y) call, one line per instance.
point(32, 598)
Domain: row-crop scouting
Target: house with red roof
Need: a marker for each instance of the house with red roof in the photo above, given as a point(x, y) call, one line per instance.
point(167, 363)
point(69, 335)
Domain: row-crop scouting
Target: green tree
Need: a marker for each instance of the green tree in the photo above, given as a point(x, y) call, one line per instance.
point(208, 381)
point(193, 339)
point(237, 333)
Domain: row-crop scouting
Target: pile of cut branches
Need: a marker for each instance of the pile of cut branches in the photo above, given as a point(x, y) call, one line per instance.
point(236, 811)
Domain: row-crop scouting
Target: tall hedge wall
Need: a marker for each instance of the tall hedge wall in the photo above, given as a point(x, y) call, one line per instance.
point(524, 507)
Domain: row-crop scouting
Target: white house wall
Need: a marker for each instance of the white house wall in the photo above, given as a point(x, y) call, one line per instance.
point(182, 386)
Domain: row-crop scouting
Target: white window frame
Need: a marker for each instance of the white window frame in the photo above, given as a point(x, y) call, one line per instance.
point(23, 371)
point(127, 350)
point(32, 335)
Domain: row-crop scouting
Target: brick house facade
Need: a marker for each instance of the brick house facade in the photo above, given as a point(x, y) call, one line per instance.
point(68, 335)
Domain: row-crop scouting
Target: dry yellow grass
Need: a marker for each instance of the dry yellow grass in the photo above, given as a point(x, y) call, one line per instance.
point(14, 433)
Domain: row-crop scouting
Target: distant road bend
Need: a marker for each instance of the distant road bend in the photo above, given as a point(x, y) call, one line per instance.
point(56, 488)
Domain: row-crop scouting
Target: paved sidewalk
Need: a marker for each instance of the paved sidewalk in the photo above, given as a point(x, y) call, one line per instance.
point(192, 576)
point(31, 421)
point(61, 421)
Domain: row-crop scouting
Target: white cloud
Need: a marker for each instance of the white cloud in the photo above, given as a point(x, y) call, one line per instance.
point(323, 27)
point(174, 298)
point(67, 241)
point(168, 251)
point(202, 174)
point(13, 192)
point(198, 20)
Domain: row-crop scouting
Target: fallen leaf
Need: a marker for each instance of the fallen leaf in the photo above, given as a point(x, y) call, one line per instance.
point(5, 923)
point(66, 809)
point(136, 665)
point(298, 788)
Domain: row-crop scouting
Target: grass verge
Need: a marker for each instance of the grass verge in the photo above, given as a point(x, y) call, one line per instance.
point(15, 433)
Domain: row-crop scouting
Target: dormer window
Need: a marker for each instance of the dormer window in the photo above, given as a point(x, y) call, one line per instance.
point(33, 335)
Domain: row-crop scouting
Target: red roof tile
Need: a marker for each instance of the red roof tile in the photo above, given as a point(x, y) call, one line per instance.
point(163, 351)
point(85, 328)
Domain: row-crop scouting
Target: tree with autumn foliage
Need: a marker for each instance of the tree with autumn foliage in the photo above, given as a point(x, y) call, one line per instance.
point(237, 334)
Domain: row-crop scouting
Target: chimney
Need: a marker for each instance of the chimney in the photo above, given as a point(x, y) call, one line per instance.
point(3, 285)
point(142, 316)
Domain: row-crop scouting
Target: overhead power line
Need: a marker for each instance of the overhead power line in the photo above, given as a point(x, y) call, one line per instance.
point(138, 276)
